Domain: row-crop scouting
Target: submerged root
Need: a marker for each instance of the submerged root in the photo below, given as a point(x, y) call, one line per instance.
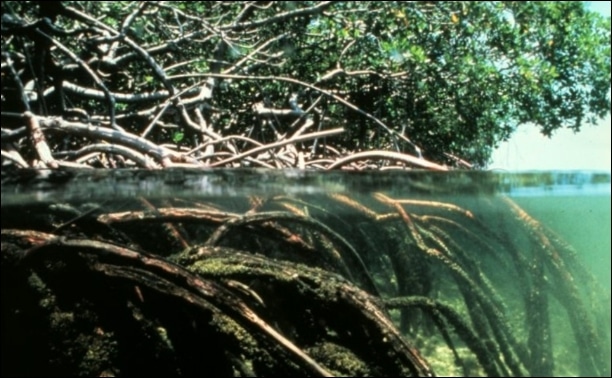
point(321, 287)
point(124, 296)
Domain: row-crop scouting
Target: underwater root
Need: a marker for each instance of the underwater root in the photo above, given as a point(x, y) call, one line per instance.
point(113, 308)
point(287, 286)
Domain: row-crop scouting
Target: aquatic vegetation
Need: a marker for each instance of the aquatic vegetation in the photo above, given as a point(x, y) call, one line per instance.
point(327, 284)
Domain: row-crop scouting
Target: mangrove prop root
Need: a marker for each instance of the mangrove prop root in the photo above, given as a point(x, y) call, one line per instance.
point(60, 261)
point(293, 286)
point(592, 353)
point(447, 315)
point(324, 296)
point(347, 251)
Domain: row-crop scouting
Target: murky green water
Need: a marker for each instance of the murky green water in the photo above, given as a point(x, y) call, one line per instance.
point(482, 273)
point(583, 221)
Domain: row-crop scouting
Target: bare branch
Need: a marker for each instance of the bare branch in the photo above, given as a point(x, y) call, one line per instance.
point(387, 155)
point(278, 144)
point(38, 140)
point(320, 90)
point(107, 94)
point(138, 158)
point(139, 50)
point(260, 109)
point(119, 97)
point(163, 155)
point(129, 19)
point(280, 17)
point(17, 80)
point(15, 157)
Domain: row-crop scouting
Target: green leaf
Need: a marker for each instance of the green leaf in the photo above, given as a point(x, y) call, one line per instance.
point(178, 136)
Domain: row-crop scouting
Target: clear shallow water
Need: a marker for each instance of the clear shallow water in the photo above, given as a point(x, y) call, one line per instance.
point(522, 260)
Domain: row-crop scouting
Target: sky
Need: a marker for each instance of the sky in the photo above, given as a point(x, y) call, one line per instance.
point(589, 149)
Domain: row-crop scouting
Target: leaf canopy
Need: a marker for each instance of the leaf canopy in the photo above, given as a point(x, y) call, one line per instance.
point(447, 80)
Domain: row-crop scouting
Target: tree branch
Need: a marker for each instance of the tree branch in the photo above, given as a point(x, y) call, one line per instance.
point(278, 144)
point(387, 155)
point(280, 17)
point(163, 155)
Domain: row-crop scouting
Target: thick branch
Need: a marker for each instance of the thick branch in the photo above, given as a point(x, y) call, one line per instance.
point(138, 158)
point(163, 155)
point(38, 140)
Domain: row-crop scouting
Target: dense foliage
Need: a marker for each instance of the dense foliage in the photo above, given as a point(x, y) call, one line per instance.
point(446, 81)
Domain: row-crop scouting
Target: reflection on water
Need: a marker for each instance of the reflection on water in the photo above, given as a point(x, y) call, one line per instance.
point(480, 273)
